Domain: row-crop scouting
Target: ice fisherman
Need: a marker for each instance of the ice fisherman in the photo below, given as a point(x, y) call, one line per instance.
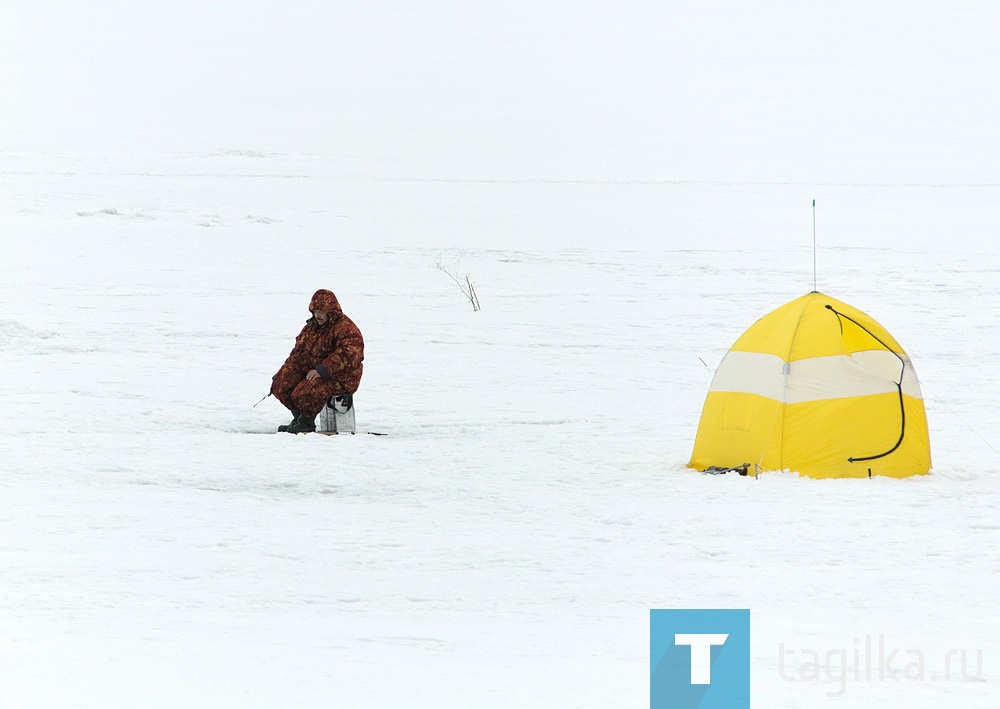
point(326, 361)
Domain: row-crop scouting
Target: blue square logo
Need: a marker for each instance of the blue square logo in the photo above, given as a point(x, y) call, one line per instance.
point(699, 659)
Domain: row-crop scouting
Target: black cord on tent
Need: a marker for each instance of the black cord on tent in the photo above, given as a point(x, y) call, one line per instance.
point(899, 386)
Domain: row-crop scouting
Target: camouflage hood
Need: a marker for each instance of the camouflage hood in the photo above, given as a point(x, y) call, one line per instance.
point(324, 301)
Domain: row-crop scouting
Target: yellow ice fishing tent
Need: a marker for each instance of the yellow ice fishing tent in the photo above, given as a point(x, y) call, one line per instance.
point(816, 387)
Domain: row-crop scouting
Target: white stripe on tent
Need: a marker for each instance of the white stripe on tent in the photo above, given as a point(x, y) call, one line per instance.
point(861, 374)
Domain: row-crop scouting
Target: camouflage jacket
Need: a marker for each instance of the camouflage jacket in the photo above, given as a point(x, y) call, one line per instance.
point(336, 350)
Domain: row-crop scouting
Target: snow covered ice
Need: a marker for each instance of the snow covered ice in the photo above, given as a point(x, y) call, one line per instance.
point(629, 187)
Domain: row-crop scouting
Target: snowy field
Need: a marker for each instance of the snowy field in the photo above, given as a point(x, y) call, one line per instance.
point(628, 186)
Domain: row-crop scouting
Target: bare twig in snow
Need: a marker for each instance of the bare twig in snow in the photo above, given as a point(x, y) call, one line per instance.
point(465, 285)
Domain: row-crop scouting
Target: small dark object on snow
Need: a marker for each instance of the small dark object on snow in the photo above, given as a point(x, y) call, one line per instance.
point(295, 417)
point(716, 470)
point(302, 424)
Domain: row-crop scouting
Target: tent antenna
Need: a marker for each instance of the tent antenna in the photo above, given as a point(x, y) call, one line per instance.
point(815, 289)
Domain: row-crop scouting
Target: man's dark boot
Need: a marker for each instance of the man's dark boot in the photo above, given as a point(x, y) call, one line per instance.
point(295, 417)
point(303, 424)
